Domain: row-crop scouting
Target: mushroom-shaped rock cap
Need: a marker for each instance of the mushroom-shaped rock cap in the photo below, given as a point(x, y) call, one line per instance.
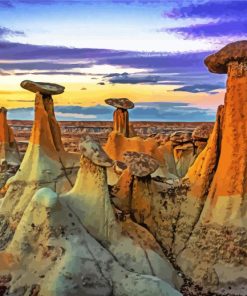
point(122, 103)
point(44, 88)
point(181, 136)
point(217, 62)
point(3, 110)
point(93, 151)
point(140, 164)
point(203, 131)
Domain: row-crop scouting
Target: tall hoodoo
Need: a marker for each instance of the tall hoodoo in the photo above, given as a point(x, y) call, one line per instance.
point(219, 176)
point(45, 150)
point(44, 107)
point(232, 59)
point(121, 114)
point(141, 166)
point(8, 147)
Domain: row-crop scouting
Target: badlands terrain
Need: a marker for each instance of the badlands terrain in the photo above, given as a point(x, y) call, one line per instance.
point(126, 208)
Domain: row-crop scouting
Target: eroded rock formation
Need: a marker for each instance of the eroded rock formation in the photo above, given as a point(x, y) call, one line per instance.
point(201, 220)
point(219, 174)
point(8, 147)
point(121, 115)
point(44, 164)
point(72, 243)
point(208, 229)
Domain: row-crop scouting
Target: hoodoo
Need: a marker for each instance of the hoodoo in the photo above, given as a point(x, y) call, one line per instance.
point(45, 147)
point(141, 166)
point(8, 147)
point(45, 163)
point(91, 202)
point(72, 244)
point(215, 252)
point(121, 114)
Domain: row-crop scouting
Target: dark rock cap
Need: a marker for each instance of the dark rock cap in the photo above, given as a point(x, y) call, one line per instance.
point(140, 164)
point(122, 103)
point(3, 110)
point(218, 62)
point(202, 132)
point(92, 150)
point(181, 136)
point(44, 88)
point(121, 165)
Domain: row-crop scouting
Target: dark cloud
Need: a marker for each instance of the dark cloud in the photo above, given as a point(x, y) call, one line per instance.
point(47, 58)
point(212, 29)
point(158, 68)
point(150, 111)
point(210, 9)
point(8, 32)
point(83, 88)
point(176, 61)
point(19, 51)
point(42, 66)
point(92, 110)
point(6, 4)
point(126, 78)
point(161, 79)
point(89, 57)
point(13, 3)
point(101, 83)
point(198, 88)
point(35, 72)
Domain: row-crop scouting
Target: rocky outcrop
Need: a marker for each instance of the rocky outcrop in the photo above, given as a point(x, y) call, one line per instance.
point(121, 115)
point(9, 154)
point(91, 202)
point(217, 199)
point(52, 253)
point(45, 164)
point(201, 219)
point(72, 243)
point(8, 146)
point(117, 145)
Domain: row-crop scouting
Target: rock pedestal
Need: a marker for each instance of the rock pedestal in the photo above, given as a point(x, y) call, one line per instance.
point(121, 121)
point(8, 147)
point(214, 250)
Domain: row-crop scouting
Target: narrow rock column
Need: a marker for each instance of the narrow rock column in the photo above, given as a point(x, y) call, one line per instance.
point(8, 147)
point(54, 126)
point(121, 115)
point(232, 167)
point(121, 121)
point(211, 246)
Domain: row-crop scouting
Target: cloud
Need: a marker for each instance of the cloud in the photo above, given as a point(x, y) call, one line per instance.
point(146, 111)
point(101, 83)
point(210, 9)
point(151, 67)
point(20, 51)
point(75, 116)
point(213, 29)
point(126, 78)
point(198, 88)
point(222, 20)
point(13, 3)
point(8, 32)
point(6, 4)
point(83, 88)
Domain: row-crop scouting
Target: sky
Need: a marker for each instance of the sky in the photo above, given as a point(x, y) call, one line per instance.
point(149, 51)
